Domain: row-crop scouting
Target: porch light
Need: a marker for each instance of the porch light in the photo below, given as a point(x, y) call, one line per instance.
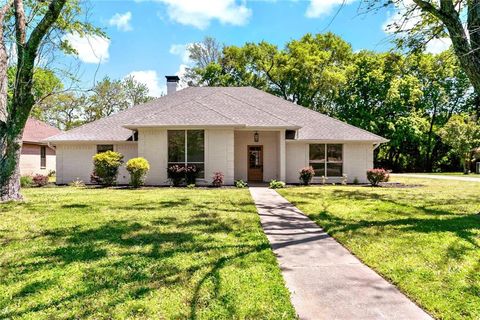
point(256, 136)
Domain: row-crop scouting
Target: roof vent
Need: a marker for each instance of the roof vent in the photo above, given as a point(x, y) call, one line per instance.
point(172, 83)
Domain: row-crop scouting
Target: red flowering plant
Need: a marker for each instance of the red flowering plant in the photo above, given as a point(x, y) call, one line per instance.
point(217, 179)
point(191, 174)
point(176, 174)
point(40, 180)
point(306, 175)
point(375, 176)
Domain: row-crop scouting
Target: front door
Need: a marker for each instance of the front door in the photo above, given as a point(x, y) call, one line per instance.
point(255, 163)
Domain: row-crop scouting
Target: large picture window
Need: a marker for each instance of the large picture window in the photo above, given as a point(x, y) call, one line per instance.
point(327, 159)
point(187, 147)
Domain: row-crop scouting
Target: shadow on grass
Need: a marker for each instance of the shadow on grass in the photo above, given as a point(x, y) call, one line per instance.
point(465, 226)
point(145, 258)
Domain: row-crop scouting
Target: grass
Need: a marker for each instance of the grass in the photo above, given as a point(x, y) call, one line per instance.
point(137, 254)
point(425, 240)
point(472, 174)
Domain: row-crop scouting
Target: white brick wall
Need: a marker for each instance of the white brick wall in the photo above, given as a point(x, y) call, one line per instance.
point(357, 159)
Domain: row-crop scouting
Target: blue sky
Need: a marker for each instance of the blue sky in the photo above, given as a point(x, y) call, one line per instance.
point(148, 38)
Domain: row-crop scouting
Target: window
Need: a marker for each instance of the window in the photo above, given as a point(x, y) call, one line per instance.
point(327, 159)
point(43, 157)
point(187, 147)
point(104, 148)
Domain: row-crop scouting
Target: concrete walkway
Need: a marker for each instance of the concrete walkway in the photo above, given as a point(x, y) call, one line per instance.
point(326, 281)
point(440, 177)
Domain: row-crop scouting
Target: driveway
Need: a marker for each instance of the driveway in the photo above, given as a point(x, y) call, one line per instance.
point(434, 176)
point(325, 280)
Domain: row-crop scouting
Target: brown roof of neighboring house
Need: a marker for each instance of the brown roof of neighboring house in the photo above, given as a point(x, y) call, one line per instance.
point(239, 107)
point(37, 131)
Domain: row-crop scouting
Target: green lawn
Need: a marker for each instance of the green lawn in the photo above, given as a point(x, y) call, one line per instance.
point(140, 254)
point(425, 240)
point(474, 175)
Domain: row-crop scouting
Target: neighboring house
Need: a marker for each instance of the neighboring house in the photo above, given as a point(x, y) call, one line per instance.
point(37, 156)
point(242, 132)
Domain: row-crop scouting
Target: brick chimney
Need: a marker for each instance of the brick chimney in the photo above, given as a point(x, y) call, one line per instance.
point(172, 83)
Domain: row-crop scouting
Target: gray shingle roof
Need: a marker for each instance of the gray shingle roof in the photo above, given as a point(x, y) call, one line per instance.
point(219, 106)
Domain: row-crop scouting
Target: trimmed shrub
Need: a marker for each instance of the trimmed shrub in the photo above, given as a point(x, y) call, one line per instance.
point(191, 174)
point(40, 180)
point(306, 175)
point(240, 184)
point(274, 184)
point(217, 179)
point(176, 174)
point(26, 181)
point(106, 165)
point(356, 181)
point(138, 168)
point(375, 176)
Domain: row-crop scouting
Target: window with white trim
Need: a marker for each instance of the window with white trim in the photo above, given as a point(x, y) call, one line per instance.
point(326, 159)
point(187, 147)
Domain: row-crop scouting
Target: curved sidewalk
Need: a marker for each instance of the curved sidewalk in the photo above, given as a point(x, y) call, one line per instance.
point(325, 280)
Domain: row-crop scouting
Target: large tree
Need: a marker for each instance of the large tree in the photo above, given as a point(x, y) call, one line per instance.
point(421, 21)
point(35, 25)
point(463, 136)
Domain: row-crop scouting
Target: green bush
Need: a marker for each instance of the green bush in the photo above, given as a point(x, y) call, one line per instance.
point(26, 181)
point(274, 184)
point(240, 184)
point(138, 168)
point(106, 165)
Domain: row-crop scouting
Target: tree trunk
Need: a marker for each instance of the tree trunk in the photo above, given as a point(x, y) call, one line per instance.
point(10, 173)
point(14, 116)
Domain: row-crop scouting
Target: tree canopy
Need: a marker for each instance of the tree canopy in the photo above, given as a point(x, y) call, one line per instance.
point(404, 98)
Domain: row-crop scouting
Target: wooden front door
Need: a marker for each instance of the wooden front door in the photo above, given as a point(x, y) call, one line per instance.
point(255, 163)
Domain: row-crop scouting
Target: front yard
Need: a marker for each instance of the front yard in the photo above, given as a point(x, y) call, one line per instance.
point(425, 240)
point(140, 254)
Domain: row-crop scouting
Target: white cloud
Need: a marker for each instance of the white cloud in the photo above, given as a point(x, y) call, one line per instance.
point(318, 8)
point(181, 73)
point(90, 49)
point(121, 21)
point(181, 50)
point(438, 45)
point(199, 13)
point(150, 79)
point(396, 23)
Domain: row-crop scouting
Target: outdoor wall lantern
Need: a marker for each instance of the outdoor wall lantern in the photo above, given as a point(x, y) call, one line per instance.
point(256, 136)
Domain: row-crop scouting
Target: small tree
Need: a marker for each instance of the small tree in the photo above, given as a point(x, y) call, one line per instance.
point(463, 135)
point(138, 168)
point(106, 165)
